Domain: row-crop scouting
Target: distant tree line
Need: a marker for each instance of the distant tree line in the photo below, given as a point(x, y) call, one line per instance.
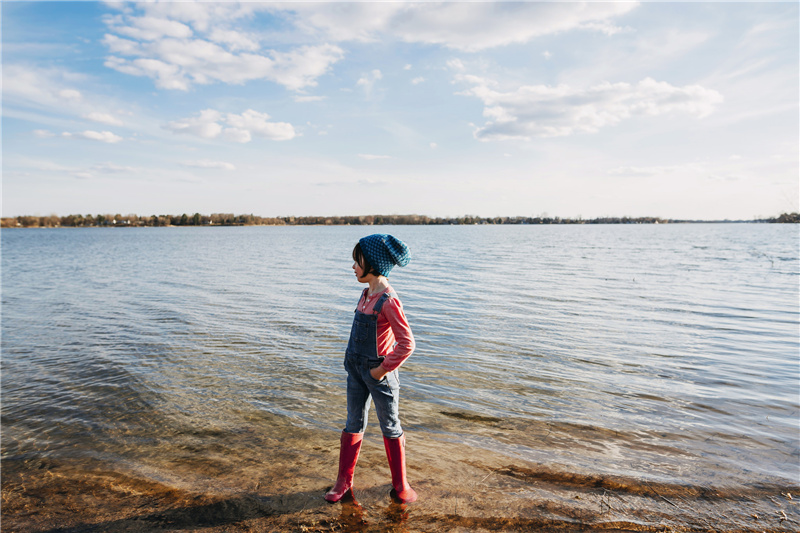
point(788, 218)
point(229, 219)
point(122, 221)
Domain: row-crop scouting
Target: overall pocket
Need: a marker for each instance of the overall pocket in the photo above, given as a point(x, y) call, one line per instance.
point(360, 332)
point(375, 364)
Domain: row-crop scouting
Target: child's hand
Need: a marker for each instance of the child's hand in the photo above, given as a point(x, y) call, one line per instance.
point(378, 372)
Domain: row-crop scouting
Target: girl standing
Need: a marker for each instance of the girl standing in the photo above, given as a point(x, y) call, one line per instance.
point(380, 341)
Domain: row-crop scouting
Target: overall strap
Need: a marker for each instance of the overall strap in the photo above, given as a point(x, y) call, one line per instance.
point(379, 304)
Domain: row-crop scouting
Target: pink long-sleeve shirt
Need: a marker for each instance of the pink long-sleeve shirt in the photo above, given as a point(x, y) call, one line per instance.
point(392, 328)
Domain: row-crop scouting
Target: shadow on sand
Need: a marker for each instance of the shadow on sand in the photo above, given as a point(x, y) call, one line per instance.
point(251, 512)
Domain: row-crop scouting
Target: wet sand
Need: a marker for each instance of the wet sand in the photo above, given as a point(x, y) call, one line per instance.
point(247, 481)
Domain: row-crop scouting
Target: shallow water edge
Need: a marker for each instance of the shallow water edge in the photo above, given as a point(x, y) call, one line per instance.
point(249, 480)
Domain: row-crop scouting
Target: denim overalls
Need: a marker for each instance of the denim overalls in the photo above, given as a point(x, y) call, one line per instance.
point(360, 357)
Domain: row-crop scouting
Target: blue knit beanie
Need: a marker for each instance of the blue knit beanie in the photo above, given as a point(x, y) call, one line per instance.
point(383, 252)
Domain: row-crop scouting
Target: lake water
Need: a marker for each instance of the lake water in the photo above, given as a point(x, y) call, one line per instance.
point(654, 355)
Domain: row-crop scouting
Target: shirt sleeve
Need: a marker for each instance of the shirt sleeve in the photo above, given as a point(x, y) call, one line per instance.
point(393, 311)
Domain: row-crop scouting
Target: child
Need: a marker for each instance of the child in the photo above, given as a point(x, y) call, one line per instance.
point(380, 340)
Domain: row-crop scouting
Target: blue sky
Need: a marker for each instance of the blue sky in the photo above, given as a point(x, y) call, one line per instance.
point(676, 110)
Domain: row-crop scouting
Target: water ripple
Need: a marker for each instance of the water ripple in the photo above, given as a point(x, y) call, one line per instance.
point(632, 347)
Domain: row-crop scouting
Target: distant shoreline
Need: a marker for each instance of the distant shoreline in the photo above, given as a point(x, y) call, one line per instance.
point(229, 219)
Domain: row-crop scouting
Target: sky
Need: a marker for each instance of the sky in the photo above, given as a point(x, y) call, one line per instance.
point(668, 109)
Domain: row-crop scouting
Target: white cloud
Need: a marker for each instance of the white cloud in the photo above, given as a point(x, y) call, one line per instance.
point(434, 145)
point(70, 94)
point(258, 123)
point(240, 128)
point(372, 157)
point(43, 87)
point(477, 26)
point(205, 126)
point(44, 134)
point(166, 76)
point(300, 98)
point(49, 167)
point(368, 81)
point(418, 80)
point(198, 15)
point(102, 136)
point(462, 26)
point(153, 28)
point(545, 111)
point(673, 43)
point(60, 100)
point(43, 165)
point(237, 135)
point(456, 64)
point(181, 45)
point(299, 68)
point(475, 80)
point(547, 55)
point(117, 45)
point(344, 21)
point(207, 163)
point(177, 64)
point(103, 118)
point(235, 40)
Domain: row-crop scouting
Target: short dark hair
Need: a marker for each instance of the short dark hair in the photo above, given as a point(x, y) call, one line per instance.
point(361, 259)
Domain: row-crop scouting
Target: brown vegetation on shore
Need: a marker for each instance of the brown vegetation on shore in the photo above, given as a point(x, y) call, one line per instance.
point(229, 219)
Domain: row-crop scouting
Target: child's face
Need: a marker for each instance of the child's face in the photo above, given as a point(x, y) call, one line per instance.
point(359, 271)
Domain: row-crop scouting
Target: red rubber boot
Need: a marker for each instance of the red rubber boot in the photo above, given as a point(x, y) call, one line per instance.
point(348, 457)
point(396, 453)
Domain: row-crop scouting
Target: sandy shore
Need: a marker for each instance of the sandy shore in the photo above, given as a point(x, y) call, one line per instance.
point(275, 483)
